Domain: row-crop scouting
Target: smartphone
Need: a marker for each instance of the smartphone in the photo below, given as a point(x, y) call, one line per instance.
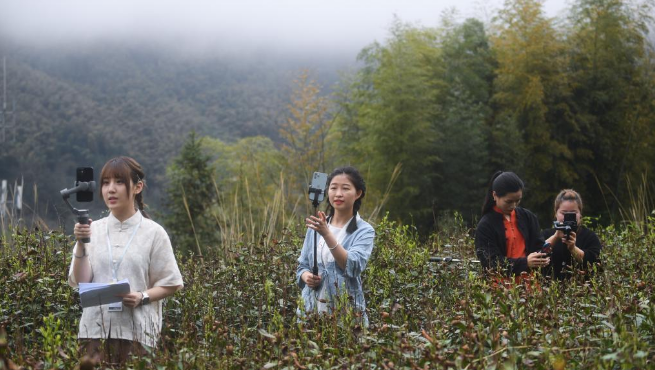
point(570, 218)
point(84, 174)
point(318, 185)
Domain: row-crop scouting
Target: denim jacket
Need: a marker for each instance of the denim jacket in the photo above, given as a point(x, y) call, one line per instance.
point(359, 245)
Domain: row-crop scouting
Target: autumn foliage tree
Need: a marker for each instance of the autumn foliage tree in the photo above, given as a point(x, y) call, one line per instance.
point(304, 134)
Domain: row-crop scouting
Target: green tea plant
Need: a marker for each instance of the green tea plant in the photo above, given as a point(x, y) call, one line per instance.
point(239, 310)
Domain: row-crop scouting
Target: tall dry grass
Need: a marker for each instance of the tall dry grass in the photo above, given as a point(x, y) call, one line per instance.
point(639, 211)
point(243, 217)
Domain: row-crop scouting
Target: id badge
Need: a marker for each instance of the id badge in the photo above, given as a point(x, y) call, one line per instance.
point(116, 306)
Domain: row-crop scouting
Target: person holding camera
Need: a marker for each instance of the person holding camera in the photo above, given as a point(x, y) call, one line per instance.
point(344, 246)
point(126, 244)
point(508, 237)
point(570, 242)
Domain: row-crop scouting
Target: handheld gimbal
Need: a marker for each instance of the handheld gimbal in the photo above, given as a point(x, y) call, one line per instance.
point(82, 214)
point(451, 259)
point(316, 192)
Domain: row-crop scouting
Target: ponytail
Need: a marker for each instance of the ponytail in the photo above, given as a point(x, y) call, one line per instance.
point(502, 183)
point(139, 203)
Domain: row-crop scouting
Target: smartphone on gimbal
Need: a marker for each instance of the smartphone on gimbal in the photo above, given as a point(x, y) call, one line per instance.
point(317, 187)
point(571, 218)
point(84, 174)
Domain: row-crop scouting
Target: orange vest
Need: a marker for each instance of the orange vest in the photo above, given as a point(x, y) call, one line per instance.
point(514, 241)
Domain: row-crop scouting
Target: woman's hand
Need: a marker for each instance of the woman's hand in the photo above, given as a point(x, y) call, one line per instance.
point(312, 281)
point(576, 252)
point(318, 223)
point(132, 299)
point(538, 259)
point(82, 231)
point(570, 242)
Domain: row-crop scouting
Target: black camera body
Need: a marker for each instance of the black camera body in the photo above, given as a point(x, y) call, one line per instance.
point(569, 224)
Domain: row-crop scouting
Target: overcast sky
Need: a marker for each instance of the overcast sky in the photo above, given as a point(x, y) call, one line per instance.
point(238, 25)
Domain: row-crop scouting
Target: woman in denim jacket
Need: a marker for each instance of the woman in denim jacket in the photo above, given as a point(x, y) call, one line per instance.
point(344, 246)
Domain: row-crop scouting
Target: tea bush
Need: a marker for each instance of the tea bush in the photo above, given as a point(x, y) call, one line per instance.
point(239, 310)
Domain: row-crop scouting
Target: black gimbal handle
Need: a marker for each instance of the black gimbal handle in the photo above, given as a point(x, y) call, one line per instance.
point(315, 269)
point(82, 214)
point(83, 218)
point(314, 193)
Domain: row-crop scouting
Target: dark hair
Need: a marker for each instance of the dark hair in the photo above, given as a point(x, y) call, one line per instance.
point(130, 172)
point(358, 181)
point(567, 194)
point(501, 183)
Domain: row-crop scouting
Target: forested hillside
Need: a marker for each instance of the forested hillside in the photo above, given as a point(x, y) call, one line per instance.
point(428, 114)
point(81, 106)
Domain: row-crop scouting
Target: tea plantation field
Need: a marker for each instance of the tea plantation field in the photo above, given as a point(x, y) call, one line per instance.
point(238, 310)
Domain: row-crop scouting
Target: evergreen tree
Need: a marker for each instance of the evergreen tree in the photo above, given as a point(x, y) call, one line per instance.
point(190, 194)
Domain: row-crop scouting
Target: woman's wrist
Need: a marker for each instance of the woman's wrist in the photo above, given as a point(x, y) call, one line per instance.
point(77, 250)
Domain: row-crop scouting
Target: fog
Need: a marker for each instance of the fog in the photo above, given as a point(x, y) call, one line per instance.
point(245, 26)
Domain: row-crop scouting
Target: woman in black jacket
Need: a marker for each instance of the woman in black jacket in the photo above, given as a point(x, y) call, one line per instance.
point(508, 237)
point(582, 247)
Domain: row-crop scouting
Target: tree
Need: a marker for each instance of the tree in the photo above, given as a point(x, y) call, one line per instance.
point(304, 133)
point(532, 102)
point(251, 176)
point(462, 124)
point(190, 194)
point(612, 74)
point(389, 119)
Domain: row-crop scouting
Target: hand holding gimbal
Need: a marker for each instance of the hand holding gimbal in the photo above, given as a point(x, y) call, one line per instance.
point(569, 224)
point(84, 190)
point(316, 195)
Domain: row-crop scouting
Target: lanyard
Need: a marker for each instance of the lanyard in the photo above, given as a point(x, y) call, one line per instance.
point(115, 265)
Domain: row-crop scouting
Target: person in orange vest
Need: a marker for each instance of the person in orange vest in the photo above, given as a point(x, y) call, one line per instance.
point(508, 237)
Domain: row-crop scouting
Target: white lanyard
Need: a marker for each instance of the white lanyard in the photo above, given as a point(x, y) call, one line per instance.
point(115, 265)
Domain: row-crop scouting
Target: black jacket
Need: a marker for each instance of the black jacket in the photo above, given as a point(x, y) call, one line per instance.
point(491, 246)
point(561, 260)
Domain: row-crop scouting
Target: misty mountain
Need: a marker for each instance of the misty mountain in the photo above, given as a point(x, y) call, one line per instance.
point(81, 106)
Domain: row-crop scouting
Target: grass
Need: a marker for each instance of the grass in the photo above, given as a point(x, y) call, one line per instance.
point(239, 312)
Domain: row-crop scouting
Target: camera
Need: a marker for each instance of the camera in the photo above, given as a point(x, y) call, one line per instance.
point(569, 224)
